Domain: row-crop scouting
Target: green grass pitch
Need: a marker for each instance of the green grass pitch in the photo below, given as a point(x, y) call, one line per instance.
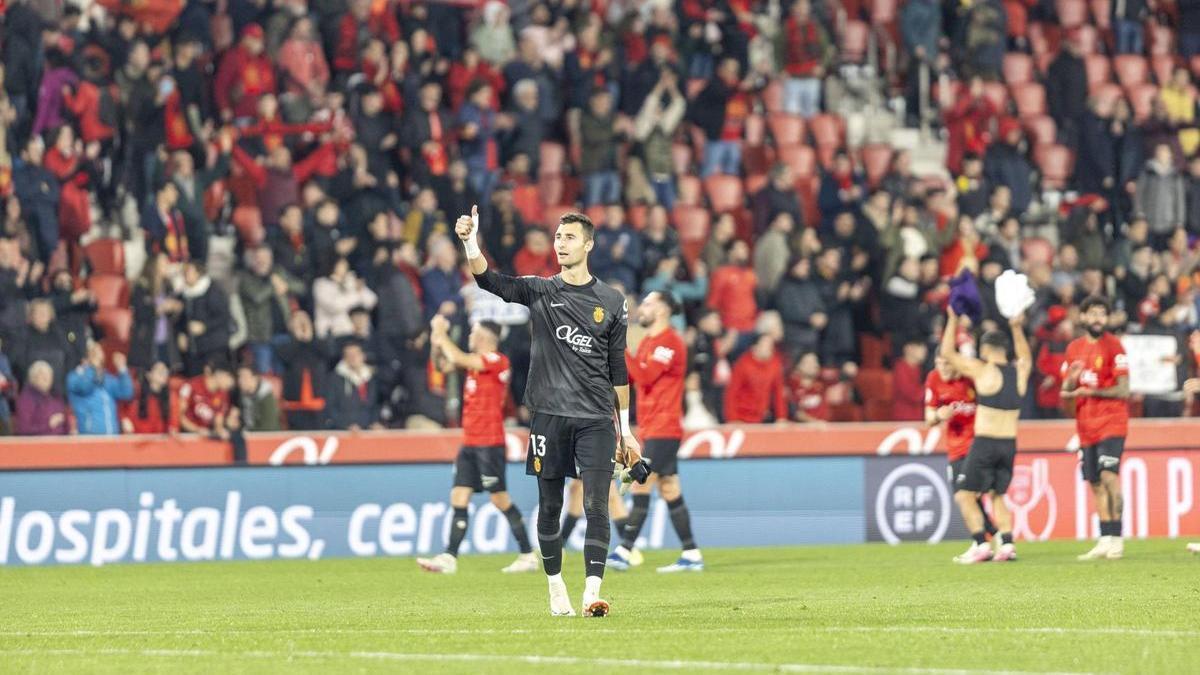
point(843, 609)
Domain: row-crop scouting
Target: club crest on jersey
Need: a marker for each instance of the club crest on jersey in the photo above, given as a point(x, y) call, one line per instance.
point(598, 314)
point(1099, 361)
point(537, 464)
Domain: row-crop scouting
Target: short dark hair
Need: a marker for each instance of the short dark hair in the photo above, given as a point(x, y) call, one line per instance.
point(218, 364)
point(668, 299)
point(1095, 301)
point(589, 228)
point(491, 327)
point(994, 338)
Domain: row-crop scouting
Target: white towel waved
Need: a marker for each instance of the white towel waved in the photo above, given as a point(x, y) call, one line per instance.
point(1013, 294)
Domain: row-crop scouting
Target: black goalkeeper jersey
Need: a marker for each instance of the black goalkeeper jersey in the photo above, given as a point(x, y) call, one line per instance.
point(577, 353)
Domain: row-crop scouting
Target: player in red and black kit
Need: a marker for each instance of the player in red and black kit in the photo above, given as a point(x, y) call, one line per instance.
point(657, 372)
point(1096, 375)
point(480, 465)
point(950, 399)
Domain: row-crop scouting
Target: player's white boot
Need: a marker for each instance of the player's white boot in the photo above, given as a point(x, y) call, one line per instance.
point(619, 560)
point(636, 558)
point(592, 604)
point(443, 563)
point(526, 562)
point(690, 561)
point(1193, 548)
point(1116, 548)
point(975, 553)
point(560, 600)
point(1100, 550)
point(1007, 553)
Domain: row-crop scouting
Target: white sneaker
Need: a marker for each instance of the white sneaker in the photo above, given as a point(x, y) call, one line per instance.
point(526, 562)
point(975, 553)
point(1193, 548)
point(1007, 553)
point(442, 563)
point(1100, 550)
point(560, 601)
point(592, 604)
point(1116, 548)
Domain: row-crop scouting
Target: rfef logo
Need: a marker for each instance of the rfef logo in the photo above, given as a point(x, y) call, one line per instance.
point(908, 500)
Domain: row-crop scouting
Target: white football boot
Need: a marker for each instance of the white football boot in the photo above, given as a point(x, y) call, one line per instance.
point(1100, 550)
point(442, 563)
point(526, 562)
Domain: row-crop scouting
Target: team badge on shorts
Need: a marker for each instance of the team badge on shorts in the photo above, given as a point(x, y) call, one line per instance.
point(537, 464)
point(598, 314)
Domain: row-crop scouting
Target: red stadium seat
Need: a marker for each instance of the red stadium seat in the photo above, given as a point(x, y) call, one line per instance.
point(689, 190)
point(1141, 99)
point(1161, 39)
point(801, 158)
point(854, 42)
point(786, 128)
point(551, 189)
point(1102, 13)
point(1017, 68)
point(724, 192)
point(247, 220)
point(1131, 69)
point(681, 158)
point(1087, 38)
point(1036, 250)
point(106, 256)
point(757, 159)
point(115, 325)
point(828, 131)
point(997, 93)
point(553, 158)
point(877, 411)
point(872, 350)
point(1056, 163)
point(528, 201)
point(554, 213)
point(1030, 99)
point(874, 384)
point(1099, 70)
point(1040, 129)
point(756, 132)
point(596, 213)
point(1109, 92)
point(1044, 38)
point(1163, 65)
point(773, 96)
point(1071, 13)
point(845, 412)
point(876, 159)
point(807, 189)
point(754, 183)
point(636, 215)
point(691, 222)
point(883, 12)
point(111, 290)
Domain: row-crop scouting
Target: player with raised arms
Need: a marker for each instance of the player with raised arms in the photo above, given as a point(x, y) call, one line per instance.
point(950, 400)
point(999, 387)
point(1096, 375)
point(577, 377)
point(480, 464)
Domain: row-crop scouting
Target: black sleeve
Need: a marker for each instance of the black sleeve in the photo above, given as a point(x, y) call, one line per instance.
point(508, 288)
point(616, 347)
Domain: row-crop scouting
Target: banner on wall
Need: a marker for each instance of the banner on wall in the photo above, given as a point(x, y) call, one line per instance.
point(390, 447)
point(905, 498)
point(168, 515)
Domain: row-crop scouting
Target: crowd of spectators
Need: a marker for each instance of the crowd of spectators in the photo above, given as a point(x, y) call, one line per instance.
point(235, 215)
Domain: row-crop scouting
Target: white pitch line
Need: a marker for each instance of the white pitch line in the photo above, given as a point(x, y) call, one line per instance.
point(530, 659)
point(949, 630)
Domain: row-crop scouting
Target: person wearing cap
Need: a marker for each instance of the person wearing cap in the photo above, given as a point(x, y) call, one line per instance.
point(245, 74)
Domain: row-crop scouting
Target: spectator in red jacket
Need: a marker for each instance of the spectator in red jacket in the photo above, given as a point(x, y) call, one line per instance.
point(806, 391)
point(731, 289)
point(970, 120)
point(805, 49)
point(755, 391)
point(365, 21)
point(303, 66)
point(1054, 336)
point(908, 383)
point(245, 74)
point(153, 410)
point(536, 257)
point(69, 163)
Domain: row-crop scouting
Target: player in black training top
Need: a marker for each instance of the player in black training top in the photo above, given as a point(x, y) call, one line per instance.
point(577, 367)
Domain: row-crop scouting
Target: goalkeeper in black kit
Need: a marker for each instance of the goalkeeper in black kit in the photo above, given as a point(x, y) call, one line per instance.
point(577, 378)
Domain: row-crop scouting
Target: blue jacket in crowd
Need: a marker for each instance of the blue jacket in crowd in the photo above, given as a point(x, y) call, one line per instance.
point(93, 397)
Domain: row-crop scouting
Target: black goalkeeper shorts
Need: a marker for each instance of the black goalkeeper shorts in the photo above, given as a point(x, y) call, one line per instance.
point(561, 447)
point(663, 455)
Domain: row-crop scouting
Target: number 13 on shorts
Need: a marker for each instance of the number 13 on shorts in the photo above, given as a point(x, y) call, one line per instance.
point(537, 445)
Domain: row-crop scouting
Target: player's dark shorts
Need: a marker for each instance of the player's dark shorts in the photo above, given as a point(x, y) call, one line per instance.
point(480, 468)
point(955, 469)
point(989, 465)
point(1103, 456)
point(663, 455)
point(561, 447)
